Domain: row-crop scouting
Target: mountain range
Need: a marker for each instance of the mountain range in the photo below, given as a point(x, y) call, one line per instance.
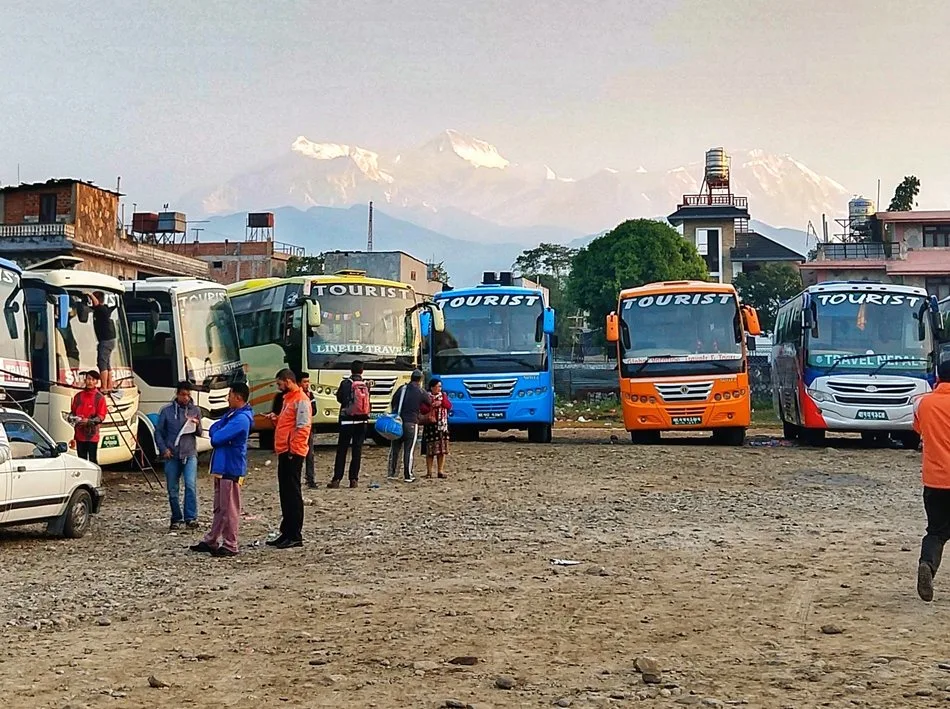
point(459, 195)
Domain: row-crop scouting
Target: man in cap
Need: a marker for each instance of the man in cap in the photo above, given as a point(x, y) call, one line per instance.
point(407, 401)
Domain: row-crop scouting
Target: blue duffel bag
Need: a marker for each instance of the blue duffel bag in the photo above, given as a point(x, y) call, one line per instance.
point(389, 426)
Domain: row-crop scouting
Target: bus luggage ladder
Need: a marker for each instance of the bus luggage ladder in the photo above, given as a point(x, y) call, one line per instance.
point(138, 455)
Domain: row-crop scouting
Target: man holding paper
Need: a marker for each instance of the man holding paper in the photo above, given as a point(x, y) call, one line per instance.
point(176, 437)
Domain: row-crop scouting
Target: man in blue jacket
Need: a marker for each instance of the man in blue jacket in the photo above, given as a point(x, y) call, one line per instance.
point(228, 468)
point(178, 447)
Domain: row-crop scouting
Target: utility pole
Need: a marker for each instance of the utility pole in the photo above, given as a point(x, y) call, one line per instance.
point(369, 235)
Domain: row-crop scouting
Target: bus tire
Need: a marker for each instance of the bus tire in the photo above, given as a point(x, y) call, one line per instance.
point(790, 431)
point(909, 439)
point(539, 433)
point(813, 436)
point(729, 436)
point(464, 434)
point(644, 438)
point(146, 445)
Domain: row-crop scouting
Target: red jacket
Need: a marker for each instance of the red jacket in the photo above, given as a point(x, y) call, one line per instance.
point(89, 405)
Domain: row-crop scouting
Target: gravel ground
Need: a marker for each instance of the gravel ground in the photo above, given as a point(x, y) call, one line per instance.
point(760, 576)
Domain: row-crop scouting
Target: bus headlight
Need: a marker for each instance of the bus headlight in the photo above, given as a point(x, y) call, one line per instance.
point(821, 396)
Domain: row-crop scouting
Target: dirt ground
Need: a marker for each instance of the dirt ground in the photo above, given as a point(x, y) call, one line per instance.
point(722, 565)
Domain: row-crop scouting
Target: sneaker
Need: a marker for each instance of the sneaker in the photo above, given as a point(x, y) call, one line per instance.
point(289, 544)
point(222, 552)
point(333, 484)
point(202, 548)
point(174, 527)
point(193, 524)
point(276, 541)
point(410, 479)
point(925, 581)
point(354, 483)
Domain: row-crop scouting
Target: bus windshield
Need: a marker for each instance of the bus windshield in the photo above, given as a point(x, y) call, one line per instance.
point(360, 322)
point(870, 331)
point(490, 334)
point(96, 335)
point(14, 355)
point(208, 335)
point(678, 333)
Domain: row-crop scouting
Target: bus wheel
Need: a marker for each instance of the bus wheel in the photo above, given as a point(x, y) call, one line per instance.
point(464, 434)
point(729, 436)
point(146, 445)
point(539, 433)
point(813, 436)
point(909, 439)
point(644, 438)
point(790, 431)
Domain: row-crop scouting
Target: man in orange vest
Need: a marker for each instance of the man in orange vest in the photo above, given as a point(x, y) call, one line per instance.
point(291, 443)
point(932, 422)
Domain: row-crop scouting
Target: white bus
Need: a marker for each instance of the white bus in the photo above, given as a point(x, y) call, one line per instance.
point(65, 344)
point(182, 329)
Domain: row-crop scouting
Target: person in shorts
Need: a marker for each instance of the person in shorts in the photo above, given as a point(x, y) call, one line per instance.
point(104, 327)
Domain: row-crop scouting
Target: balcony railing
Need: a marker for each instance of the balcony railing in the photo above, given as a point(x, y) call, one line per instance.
point(37, 230)
point(282, 247)
point(848, 252)
point(718, 200)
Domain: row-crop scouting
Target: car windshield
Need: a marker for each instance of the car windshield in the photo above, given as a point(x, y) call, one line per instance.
point(208, 334)
point(670, 333)
point(93, 323)
point(870, 331)
point(14, 353)
point(490, 333)
point(361, 322)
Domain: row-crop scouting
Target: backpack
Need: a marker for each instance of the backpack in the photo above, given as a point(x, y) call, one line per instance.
point(359, 399)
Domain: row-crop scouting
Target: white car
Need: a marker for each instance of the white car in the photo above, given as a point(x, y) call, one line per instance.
point(42, 482)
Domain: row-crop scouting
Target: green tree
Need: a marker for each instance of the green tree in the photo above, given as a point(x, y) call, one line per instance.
point(767, 288)
point(305, 265)
point(546, 259)
point(905, 196)
point(636, 252)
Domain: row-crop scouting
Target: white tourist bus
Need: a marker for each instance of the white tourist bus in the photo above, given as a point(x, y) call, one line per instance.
point(182, 329)
point(64, 344)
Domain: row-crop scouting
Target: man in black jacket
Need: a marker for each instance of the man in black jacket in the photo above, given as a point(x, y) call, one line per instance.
point(411, 402)
point(352, 427)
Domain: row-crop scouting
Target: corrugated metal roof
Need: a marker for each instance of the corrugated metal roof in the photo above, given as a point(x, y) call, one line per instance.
point(752, 246)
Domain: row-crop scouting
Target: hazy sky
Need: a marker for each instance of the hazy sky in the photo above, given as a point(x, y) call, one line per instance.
point(175, 94)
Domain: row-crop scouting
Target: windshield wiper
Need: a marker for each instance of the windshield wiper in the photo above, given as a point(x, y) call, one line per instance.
point(649, 359)
point(897, 361)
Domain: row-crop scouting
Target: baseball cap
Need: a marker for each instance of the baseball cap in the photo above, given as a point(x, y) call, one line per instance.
point(94, 373)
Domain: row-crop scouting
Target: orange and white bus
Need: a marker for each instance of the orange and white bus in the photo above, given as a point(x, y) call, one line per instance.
point(682, 353)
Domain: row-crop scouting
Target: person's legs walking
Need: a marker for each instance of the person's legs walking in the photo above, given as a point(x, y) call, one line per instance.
point(190, 473)
point(342, 445)
point(172, 477)
point(937, 507)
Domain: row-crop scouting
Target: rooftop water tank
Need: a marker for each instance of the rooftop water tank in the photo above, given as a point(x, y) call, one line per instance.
point(717, 167)
point(860, 210)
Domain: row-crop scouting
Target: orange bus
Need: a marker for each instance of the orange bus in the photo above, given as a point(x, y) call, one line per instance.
point(682, 353)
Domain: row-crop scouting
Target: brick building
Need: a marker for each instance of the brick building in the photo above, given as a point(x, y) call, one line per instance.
point(232, 261)
point(77, 219)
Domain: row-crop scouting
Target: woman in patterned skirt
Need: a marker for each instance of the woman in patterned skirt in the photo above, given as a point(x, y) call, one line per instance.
point(435, 430)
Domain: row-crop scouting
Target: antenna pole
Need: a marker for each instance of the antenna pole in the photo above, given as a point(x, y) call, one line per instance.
point(369, 232)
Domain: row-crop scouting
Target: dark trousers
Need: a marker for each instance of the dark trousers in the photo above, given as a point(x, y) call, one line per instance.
point(88, 450)
point(937, 506)
point(308, 469)
point(351, 436)
point(289, 467)
point(403, 448)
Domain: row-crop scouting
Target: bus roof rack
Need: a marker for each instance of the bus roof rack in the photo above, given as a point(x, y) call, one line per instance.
point(350, 272)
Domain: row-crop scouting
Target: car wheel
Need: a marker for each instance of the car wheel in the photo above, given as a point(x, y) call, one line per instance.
point(78, 515)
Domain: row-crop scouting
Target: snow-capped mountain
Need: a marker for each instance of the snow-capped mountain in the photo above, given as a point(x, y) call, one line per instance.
point(455, 181)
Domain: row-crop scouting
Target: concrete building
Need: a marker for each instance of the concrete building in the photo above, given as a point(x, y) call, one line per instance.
point(232, 261)
point(909, 248)
point(391, 265)
point(716, 222)
point(78, 220)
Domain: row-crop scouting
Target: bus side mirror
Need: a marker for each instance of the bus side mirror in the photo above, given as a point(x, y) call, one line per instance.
point(554, 341)
point(613, 328)
point(548, 322)
point(750, 343)
point(751, 317)
point(438, 319)
point(62, 311)
point(314, 318)
point(425, 323)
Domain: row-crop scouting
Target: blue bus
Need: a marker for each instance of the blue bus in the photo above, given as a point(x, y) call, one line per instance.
point(851, 357)
point(495, 357)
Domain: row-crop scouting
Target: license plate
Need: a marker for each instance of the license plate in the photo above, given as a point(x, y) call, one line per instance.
point(687, 420)
point(492, 415)
point(872, 415)
point(110, 442)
